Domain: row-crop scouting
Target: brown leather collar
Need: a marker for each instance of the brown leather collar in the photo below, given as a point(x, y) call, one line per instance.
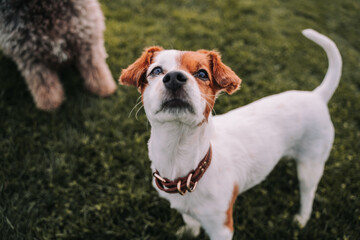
point(183, 184)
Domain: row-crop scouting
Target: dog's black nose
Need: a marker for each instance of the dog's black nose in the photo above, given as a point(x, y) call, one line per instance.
point(174, 80)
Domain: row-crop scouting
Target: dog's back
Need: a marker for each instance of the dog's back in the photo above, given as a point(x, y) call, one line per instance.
point(296, 124)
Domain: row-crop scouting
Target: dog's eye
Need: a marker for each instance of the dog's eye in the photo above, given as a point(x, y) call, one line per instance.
point(156, 71)
point(202, 74)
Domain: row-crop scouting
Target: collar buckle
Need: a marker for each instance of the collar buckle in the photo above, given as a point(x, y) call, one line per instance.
point(188, 182)
point(183, 184)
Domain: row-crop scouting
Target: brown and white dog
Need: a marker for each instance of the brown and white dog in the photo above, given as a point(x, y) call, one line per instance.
point(240, 147)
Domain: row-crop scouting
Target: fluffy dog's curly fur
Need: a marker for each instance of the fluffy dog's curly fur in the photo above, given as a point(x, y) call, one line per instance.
point(42, 35)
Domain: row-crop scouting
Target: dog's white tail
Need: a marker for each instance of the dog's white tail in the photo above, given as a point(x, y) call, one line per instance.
point(333, 74)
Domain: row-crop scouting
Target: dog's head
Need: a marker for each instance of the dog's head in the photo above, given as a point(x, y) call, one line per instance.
point(179, 85)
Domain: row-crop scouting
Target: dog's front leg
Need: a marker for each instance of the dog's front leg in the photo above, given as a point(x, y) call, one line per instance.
point(190, 229)
point(95, 71)
point(217, 216)
point(218, 226)
point(43, 84)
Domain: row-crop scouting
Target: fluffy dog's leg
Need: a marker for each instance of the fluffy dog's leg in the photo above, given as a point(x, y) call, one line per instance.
point(44, 86)
point(191, 228)
point(95, 71)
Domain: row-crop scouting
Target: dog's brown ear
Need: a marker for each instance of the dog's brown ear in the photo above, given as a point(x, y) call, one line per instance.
point(225, 78)
point(134, 75)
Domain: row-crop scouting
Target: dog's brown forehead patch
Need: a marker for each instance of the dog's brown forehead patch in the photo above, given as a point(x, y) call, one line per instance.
point(194, 61)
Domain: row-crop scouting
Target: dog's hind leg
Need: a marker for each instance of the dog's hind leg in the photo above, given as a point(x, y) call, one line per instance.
point(311, 154)
point(309, 175)
point(44, 85)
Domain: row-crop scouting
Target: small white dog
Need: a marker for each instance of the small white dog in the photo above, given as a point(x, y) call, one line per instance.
point(240, 147)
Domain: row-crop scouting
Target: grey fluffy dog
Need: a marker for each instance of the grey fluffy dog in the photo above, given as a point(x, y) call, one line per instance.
point(43, 35)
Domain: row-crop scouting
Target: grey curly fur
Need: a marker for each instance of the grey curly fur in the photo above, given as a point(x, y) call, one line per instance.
point(43, 35)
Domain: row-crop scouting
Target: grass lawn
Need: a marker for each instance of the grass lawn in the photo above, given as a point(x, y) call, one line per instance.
point(82, 172)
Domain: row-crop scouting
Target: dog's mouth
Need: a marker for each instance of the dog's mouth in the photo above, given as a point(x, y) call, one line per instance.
point(176, 105)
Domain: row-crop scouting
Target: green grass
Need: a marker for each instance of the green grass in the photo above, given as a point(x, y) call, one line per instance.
point(82, 172)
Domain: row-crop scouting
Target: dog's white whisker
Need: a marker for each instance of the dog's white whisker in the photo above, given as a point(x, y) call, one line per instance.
point(137, 104)
point(210, 106)
point(136, 114)
point(208, 95)
point(213, 110)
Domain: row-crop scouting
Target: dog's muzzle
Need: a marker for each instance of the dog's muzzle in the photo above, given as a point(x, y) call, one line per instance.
point(176, 98)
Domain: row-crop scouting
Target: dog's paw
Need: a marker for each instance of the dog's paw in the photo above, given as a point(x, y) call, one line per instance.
point(301, 220)
point(103, 88)
point(186, 232)
point(99, 81)
point(48, 98)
